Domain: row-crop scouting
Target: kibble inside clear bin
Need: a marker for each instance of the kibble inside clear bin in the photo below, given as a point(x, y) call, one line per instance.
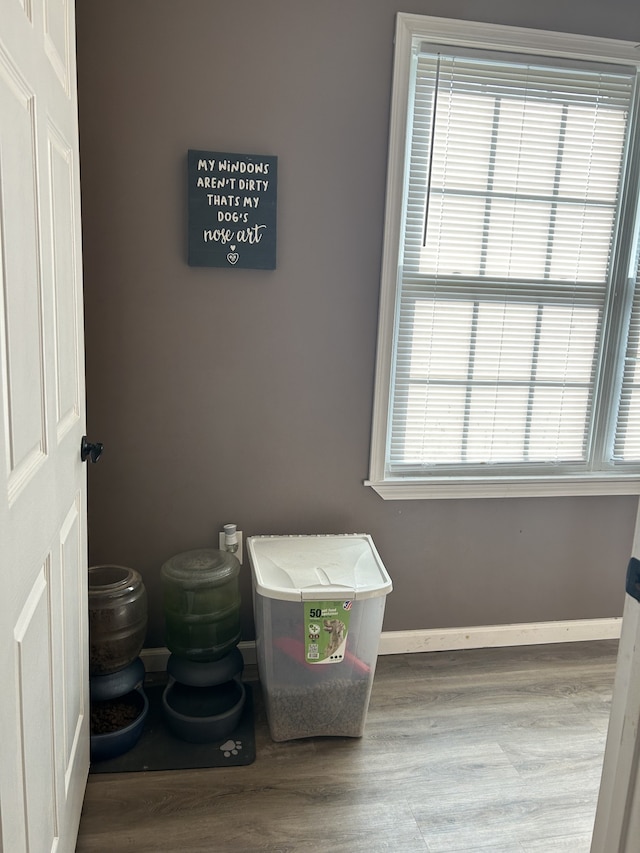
point(319, 604)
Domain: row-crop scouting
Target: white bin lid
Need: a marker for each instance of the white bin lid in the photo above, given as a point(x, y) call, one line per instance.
point(317, 568)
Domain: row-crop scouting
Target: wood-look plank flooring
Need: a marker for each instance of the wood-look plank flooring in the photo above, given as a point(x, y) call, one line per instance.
point(494, 750)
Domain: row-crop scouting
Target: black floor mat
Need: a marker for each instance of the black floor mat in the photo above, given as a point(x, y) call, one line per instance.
point(159, 749)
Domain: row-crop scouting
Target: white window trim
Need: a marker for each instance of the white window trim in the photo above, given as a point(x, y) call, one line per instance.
point(487, 36)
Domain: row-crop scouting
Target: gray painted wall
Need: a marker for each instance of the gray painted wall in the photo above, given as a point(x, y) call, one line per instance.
point(242, 395)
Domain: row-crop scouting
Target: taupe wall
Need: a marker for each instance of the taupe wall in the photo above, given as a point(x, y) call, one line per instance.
point(240, 395)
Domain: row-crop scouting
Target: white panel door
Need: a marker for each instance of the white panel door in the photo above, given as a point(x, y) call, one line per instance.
point(44, 721)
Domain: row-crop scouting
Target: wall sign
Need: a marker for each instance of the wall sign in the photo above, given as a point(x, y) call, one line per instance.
point(232, 210)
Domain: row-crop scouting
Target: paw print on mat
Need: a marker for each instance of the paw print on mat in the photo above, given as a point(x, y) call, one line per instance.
point(231, 747)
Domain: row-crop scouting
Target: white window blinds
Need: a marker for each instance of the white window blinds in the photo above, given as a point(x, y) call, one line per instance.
point(511, 313)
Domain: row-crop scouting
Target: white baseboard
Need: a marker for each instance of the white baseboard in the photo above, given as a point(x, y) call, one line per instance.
point(492, 636)
point(448, 639)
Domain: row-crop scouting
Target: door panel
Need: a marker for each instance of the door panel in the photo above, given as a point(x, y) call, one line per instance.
point(69, 625)
point(56, 43)
point(32, 635)
point(23, 363)
point(68, 357)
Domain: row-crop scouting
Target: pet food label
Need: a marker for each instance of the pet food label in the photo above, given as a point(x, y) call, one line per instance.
point(326, 626)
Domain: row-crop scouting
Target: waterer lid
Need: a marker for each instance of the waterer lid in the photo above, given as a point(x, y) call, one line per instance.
point(207, 565)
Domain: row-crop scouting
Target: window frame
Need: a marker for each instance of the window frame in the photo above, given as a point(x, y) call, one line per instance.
point(504, 39)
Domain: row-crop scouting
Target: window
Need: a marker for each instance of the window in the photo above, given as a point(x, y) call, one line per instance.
point(509, 339)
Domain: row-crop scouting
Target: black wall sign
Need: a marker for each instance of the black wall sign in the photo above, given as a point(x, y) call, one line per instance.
point(232, 210)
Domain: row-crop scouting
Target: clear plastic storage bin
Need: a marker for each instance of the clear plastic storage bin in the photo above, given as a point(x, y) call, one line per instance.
point(319, 603)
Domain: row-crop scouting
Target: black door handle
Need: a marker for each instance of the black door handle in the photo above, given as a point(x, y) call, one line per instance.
point(88, 449)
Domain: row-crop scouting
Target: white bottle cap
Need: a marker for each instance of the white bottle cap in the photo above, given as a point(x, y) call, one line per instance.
point(230, 534)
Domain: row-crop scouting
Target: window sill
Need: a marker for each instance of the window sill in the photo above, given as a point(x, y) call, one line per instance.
point(505, 487)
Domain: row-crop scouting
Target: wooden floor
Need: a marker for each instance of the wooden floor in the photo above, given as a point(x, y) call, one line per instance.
point(495, 750)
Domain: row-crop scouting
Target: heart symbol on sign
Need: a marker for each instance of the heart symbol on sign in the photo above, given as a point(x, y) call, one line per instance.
point(232, 257)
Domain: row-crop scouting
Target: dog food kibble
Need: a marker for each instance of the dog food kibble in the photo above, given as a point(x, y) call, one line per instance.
point(114, 714)
point(334, 708)
point(117, 618)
